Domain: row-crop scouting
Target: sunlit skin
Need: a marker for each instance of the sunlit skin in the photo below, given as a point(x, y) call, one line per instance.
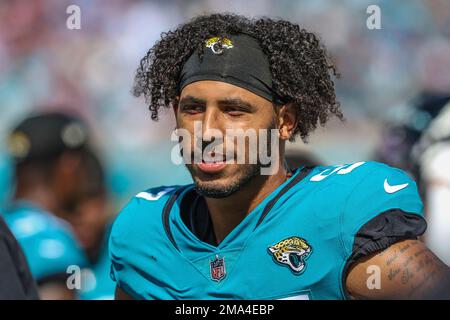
point(222, 106)
point(419, 273)
point(407, 270)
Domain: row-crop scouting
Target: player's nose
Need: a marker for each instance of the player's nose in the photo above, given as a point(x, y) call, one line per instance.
point(212, 124)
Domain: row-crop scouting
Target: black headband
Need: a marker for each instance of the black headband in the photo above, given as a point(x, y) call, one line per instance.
point(238, 60)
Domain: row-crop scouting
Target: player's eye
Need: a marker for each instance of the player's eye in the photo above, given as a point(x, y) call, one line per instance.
point(192, 109)
point(235, 111)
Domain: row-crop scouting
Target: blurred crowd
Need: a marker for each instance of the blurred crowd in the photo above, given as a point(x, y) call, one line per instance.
point(394, 90)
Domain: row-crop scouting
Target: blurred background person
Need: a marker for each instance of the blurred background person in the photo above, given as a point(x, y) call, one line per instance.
point(91, 221)
point(47, 150)
point(420, 144)
point(432, 153)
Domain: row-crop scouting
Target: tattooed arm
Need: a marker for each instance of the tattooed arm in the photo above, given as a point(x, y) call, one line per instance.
point(407, 270)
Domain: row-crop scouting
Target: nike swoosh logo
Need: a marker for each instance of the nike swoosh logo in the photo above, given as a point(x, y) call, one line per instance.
point(153, 197)
point(392, 189)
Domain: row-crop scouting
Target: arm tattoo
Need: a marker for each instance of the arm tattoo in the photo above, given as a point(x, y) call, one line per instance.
point(421, 274)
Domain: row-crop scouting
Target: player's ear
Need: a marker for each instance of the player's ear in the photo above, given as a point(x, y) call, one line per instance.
point(287, 120)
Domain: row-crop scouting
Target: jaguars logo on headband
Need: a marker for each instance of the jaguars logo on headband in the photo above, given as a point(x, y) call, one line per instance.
point(217, 45)
point(291, 252)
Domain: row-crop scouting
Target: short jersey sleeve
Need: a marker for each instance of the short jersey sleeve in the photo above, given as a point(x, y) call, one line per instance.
point(382, 208)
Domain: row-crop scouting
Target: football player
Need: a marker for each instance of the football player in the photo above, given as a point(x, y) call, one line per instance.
point(237, 232)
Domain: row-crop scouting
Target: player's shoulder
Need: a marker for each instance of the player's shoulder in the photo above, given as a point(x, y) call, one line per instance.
point(47, 241)
point(358, 192)
point(27, 222)
point(148, 202)
point(362, 180)
point(138, 224)
point(143, 210)
point(362, 173)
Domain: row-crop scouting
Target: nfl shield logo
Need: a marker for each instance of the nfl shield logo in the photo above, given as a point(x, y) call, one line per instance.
point(217, 268)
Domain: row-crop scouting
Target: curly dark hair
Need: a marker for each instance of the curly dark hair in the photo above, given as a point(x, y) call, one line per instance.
point(301, 70)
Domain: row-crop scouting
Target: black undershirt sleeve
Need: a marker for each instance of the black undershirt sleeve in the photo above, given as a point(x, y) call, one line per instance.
point(386, 229)
point(381, 232)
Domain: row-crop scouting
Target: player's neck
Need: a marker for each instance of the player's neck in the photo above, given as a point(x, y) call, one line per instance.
point(227, 213)
point(39, 194)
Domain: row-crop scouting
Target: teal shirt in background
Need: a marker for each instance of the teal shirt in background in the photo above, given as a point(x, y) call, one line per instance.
point(5, 177)
point(47, 241)
point(295, 244)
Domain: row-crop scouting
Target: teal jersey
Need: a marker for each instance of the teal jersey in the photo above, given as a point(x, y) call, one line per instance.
point(296, 244)
point(47, 241)
point(97, 283)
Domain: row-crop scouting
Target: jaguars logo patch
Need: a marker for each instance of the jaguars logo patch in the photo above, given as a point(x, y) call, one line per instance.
point(291, 252)
point(217, 45)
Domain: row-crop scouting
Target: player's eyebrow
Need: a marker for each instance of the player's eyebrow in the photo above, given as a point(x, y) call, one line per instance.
point(237, 102)
point(192, 100)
